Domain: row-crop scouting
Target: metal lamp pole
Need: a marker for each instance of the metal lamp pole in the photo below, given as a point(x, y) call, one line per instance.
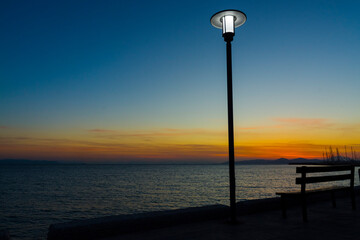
point(228, 20)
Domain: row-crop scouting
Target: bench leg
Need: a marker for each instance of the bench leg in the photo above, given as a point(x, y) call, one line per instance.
point(333, 199)
point(304, 208)
point(283, 206)
point(353, 202)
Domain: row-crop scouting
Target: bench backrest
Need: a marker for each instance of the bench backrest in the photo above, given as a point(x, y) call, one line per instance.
point(303, 180)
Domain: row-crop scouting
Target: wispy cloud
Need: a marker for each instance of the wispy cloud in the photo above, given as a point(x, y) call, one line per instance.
point(279, 150)
point(260, 127)
point(166, 132)
point(251, 128)
point(306, 122)
point(99, 130)
point(98, 150)
point(350, 127)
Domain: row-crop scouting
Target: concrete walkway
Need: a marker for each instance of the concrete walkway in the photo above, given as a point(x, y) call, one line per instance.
point(325, 222)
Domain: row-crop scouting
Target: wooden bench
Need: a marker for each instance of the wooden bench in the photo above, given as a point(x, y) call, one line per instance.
point(329, 177)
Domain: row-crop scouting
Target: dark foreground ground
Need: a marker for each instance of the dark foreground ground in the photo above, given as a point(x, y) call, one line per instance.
point(259, 219)
point(324, 222)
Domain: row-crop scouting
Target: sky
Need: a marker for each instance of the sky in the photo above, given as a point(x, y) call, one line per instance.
point(145, 81)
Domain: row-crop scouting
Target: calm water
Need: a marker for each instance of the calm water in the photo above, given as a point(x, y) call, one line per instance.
point(33, 197)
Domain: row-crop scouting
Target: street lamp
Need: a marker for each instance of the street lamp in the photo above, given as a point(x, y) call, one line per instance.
point(228, 20)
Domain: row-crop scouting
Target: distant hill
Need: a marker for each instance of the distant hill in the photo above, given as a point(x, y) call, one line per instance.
point(305, 160)
point(31, 162)
point(277, 161)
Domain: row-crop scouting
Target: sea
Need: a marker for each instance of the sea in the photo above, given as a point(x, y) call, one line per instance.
point(34, 196)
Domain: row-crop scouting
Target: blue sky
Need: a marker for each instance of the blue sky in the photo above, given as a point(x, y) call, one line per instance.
point(70, 66)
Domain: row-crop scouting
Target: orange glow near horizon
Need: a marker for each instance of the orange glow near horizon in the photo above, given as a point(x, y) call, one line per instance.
point(287, 138)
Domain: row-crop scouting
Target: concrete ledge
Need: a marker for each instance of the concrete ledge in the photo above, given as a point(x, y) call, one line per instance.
point(114, 225)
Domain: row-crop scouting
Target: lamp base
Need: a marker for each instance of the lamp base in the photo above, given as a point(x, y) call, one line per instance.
point(228, 37)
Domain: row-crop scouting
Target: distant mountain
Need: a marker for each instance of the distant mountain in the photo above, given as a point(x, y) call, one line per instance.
point(277, 161)
point(30, 162)
point(305, 160)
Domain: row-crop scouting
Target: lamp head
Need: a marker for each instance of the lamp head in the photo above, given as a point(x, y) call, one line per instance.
point(228, 20)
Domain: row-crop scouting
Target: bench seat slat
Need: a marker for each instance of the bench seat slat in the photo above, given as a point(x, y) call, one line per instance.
point(323, 169)
point(319, 179)
point(316, 190)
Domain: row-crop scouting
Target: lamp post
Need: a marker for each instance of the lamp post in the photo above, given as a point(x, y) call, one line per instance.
point(228, 20)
